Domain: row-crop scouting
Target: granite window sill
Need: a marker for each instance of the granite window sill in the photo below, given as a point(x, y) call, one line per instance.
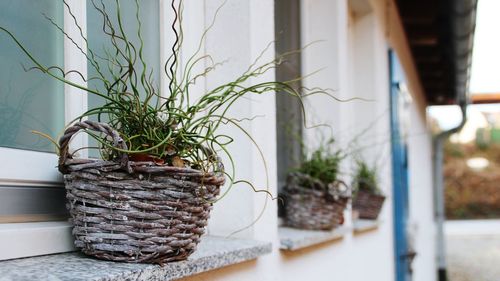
point(292, 239)
point(213, 252)
point(362, 226)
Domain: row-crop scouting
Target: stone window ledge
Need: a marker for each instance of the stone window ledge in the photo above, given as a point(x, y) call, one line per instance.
point(213, 252)
point(292, 239)
point(362, 226)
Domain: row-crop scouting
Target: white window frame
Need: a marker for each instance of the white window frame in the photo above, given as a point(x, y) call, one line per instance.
point(23, 167)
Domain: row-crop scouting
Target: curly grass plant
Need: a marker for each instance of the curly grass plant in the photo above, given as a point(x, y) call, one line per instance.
point(169, 126)
point(365, 178)
point(322, 164)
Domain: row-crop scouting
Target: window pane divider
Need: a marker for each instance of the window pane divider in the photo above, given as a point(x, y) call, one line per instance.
point(74, 59)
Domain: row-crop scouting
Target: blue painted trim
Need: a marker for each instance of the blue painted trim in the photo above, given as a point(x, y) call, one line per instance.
point(400, 173)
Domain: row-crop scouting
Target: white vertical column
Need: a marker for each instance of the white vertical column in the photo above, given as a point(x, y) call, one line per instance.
point(229, 40)
point(324, 29)
point(325, 24)
point(345, 112)
point(74, 59)
point(263, 130)
point(363, 120)
point(244, 29)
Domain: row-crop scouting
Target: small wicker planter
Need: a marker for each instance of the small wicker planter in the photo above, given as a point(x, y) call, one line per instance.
point(368, 205)
point(313, 208)
point(135, 211)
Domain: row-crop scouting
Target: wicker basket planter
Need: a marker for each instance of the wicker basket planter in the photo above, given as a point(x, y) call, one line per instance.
point(135, 211)
point(368, 205)
point(313, 208)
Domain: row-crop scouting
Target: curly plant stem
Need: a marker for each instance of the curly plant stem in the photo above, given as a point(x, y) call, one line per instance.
point(174, 50)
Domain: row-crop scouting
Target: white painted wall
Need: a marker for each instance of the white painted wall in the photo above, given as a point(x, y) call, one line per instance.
point(352, 56)
point(421, 220)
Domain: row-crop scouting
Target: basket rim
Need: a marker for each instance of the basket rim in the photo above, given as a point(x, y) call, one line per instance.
point(320, 189)
point(374, 194)
point(67, 163)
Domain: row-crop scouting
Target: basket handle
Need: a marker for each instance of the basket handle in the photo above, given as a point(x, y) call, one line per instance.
point(94, 126)
point(334, 189)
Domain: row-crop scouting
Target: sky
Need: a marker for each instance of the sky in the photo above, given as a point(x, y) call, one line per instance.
point(485, 72)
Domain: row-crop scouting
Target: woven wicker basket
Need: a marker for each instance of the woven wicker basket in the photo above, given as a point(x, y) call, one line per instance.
point(368, 205)
point(313, 208)
point(135, 211)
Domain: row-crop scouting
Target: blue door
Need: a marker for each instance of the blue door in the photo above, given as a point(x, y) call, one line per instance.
point(399, 169)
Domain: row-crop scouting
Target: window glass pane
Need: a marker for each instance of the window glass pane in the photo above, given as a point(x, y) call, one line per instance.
point(101, 45)
point(288, 110)
point(30, 100)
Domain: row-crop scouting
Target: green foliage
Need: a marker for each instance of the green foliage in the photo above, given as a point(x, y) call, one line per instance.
point(322, 164)
point(365, 178)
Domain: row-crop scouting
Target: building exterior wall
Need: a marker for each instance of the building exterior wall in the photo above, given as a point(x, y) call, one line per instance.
point(349, 55)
